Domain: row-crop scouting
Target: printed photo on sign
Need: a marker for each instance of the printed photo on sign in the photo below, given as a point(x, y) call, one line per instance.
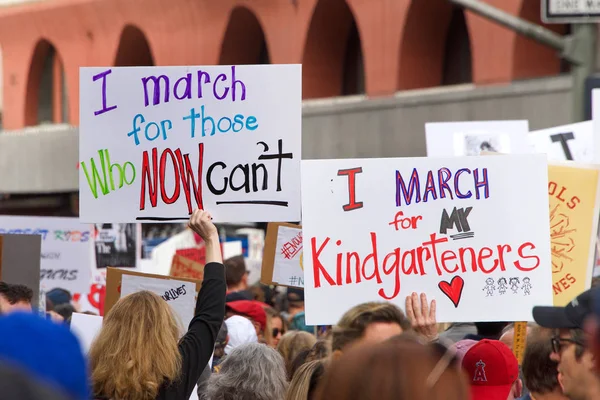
point(475, 137)
point(117, 245)
point(567, 142)
point(156, 143)
point(380, 229)
point(67, 251)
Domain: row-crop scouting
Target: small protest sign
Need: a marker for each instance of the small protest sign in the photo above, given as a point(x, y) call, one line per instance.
point(185, 268)
point(474, 137)
point(574, 196)
point(158, 142)
point(566, 142)
point(470, 232)
point(283, 255)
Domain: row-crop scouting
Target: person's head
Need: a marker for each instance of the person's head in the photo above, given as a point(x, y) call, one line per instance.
point(295, 299)
point(298, 362)
point(320, 351)
point(400, 368)
point(490, 330)
point(14, 297)
point(291, 344)
point(250, 371)
point(275, 327)
point(493, 371)
point(221, 342)
point(305, 381)
point(508, 334)
point(540, 373)
point(236, 274)
point(253, 311)
point(462, 346)
point(136, 350)
point(368, 322)
point(65, 310)
point(575, 360)
point(58, 296)
point(46, 351)
point(240, 331)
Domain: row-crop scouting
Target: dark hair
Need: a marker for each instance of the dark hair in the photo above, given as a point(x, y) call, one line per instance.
point(490, 330)
point(235, 269)
point(321, 350)
point(397, 369)
point(16, 293)
point(579, 336)
point(355, 321)
point(539, 371)
point(65, 310)
point(298, 362)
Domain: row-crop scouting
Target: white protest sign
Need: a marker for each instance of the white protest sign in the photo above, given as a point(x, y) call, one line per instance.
point(86, 328)
point(180, 295)
point(596, 123)
point(158, 142)
point(287, 268)
point(67, 250)
point(565, 142)
point(471, 232)
point(474, 137)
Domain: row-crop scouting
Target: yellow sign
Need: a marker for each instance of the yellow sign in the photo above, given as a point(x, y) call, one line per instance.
point(519, 340)
point(573, 192)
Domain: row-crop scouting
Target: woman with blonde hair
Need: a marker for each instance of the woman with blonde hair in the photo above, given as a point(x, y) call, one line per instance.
point(292, 344)
point(275, 327)
point(139, 355)
point(305, 381)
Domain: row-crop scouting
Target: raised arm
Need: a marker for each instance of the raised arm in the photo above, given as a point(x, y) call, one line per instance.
point(196, 347)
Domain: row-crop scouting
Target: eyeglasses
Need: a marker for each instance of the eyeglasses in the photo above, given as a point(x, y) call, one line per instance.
point(557, 343)
point(277, 331)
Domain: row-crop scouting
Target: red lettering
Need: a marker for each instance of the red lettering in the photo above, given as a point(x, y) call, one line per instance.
point(349, 256)
point(461, 254)
point(372, 255)
point(163, 168)
point(449, 255)
point(151, 177)
point(483, 257)
point(536, 258)
point(501, 249)
point(187, 173)
point(395, 267)
point(433, 242)
point(351, 174)
point(571, 278)
point(317, 265)
point(573, 202)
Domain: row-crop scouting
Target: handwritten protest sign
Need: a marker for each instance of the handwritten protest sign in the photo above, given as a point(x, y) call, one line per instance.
point(472, 138)
point(574, 195)
point(471, 232)
point(566, 142)
point(186, 268)
point(283, 255)
point(180, 295)
point(67, 250)
point(158, 142)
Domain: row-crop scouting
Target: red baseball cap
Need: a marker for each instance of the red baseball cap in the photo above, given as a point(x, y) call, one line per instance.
point(250, 309)
point(492, 370)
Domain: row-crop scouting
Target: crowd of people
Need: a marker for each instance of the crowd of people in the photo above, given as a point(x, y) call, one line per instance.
point(252, 342)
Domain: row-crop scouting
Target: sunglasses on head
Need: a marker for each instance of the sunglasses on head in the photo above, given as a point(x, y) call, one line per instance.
point(277, 331)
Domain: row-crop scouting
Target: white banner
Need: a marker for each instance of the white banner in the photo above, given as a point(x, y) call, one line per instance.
point(287, 268)
point(471, 232)
point(158, 142)
point(67, 251)
point(474, 137)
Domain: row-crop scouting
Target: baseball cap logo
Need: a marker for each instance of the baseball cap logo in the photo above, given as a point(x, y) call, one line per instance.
point(479, 375)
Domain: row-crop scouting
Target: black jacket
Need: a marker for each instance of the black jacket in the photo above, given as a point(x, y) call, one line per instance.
point(197, 344)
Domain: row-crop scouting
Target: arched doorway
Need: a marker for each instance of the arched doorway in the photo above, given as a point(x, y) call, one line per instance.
point(244, 41)
point(457, 66)
point(47, 100)
point(332, 63)
point(134, 50)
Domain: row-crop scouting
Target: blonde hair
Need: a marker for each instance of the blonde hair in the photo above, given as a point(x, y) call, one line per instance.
point(293, 343)
point(136, 350)
point(305, 380)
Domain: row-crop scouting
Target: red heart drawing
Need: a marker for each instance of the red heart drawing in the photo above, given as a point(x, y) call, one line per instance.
point(453, 289)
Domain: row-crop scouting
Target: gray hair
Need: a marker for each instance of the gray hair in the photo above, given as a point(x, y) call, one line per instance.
point(251, 371)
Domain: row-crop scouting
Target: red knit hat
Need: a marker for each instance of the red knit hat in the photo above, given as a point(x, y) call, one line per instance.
point(251, 309)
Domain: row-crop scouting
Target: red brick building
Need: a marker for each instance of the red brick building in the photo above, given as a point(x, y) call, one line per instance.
point(346, 46)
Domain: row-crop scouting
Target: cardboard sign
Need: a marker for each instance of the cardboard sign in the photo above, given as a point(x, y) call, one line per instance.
point(66, 250)
point(185, 268)
point(114, 281)
point(156, 143)
point(283, 256)
point(470, 232)
point(473, 138)
point(566, 142)
point(20, 261)
point(574, 196)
